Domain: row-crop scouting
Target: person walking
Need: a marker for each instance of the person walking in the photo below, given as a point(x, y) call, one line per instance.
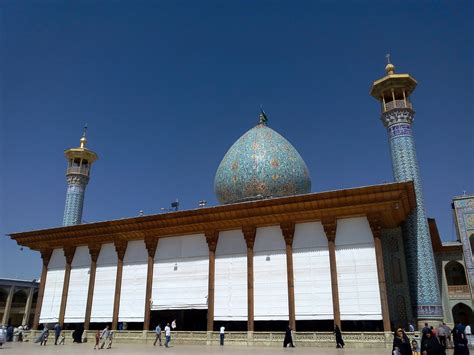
point(97, 339)
point(157, 335)
point(104, 336)
point(167, 335)
point(57, 333)
point(411, 327)
point(110, 338)
point(288, 338)
point(442, 335)
point(468, 333)
point(401, 343)
point(222, 334)
point(430, 345)
point(44, 336)
point(460, 342)
point(339, 340)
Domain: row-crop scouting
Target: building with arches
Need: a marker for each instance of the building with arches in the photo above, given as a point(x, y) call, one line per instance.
point(272, 253)
point(17, 300)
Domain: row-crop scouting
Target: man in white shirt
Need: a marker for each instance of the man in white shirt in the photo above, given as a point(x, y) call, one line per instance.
point(167, 334)
point(468, 333)
point(222, 334)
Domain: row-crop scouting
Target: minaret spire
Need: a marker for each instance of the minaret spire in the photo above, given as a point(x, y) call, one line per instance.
point(77, 175)
point(393, 92)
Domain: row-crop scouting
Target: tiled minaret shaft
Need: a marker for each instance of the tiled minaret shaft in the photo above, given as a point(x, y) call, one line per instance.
point(78, 172)
point(393, 92)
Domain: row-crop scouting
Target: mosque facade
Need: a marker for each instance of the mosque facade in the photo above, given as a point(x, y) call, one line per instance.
point(272, 253)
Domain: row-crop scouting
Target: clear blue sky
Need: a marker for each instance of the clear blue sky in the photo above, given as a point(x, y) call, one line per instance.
point(167, 87)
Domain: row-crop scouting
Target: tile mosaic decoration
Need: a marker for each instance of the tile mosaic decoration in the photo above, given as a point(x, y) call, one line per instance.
point(424, 286)
point(261, 164)
point(76, 188)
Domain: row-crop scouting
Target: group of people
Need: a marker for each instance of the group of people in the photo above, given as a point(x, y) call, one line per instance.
point(103, 338)
point(434, 341)
point(167, 331)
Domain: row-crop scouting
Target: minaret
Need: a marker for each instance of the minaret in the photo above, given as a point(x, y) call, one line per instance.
point(393, 91)
point(77, 174)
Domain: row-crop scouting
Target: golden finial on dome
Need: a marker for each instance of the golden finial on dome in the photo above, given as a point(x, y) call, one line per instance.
point(389, 68)
point(83, 138)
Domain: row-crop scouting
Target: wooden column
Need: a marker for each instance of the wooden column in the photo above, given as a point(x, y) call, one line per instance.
point(211, 239)
point(94, 251)
point(249, 235)
point(45, 255)
point(29, 301)
point(120, 248)
point(69, 254)
point(8, 306)
point(288, 231)
point(151, 244)
point(376, 227)
point(330, 226)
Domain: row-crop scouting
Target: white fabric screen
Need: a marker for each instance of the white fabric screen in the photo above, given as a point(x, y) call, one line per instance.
point(312, 272)
point(78, 286)
point(357, 278)
point(270, 281)
point(104, 289)
point(180, 276)
point(53, 289)
point(230, 290)
point(133, 292)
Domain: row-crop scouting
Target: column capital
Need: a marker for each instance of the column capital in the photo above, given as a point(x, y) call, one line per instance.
point(249, 233)
point(94, 251)
point(288, 231)
point(69, 253)
point(212, 237)
point(375, 225)
point(151, 244)
point(330, 227)
point(46, 256)
point(120, 248)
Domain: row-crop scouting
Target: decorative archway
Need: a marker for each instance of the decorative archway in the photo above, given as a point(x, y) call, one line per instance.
point(455, 274)
point(462, 313)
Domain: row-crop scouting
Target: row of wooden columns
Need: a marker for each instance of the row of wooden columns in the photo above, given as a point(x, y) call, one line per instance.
point(212, 236)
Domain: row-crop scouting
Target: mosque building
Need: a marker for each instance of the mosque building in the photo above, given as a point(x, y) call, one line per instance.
point(271, 254)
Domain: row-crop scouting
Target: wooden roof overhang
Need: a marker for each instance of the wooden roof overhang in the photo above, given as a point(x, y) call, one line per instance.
point(390, 203)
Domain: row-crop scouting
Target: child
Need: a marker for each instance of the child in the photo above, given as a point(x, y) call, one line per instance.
point(97, 339)
point(62, 339)
point(415, 348)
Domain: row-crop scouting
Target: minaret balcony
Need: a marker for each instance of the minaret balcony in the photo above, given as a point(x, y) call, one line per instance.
point(78, 170)
point(391, 105)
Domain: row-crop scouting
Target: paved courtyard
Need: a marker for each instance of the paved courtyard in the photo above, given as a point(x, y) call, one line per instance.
point(133, 349)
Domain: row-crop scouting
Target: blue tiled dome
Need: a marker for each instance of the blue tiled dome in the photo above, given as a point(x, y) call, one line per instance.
point(261, 164)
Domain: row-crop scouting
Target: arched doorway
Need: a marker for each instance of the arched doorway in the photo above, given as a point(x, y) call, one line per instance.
point(471, 241)
point(462, 313)
point(455, 274)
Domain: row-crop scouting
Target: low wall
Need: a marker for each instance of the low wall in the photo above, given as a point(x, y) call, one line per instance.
point(312, 339)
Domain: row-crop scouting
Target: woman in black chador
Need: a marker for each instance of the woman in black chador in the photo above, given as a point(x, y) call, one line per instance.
point(288, 338)
point(339, 341)
point(431, 345)
point(401, 343)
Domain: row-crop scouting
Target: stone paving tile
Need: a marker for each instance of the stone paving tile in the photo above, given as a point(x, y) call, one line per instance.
point(135, 349)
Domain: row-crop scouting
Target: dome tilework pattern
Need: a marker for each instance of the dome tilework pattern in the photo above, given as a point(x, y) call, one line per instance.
point(261, 164)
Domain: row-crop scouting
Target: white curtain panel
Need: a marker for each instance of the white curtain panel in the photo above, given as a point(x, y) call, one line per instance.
point(230, 291)
point(181, 270)
point(132, 296)
point(78, 286)
point(312, 273)
point(104, 289)
point(359, 295)
point(53, 288)
point(270, 281)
